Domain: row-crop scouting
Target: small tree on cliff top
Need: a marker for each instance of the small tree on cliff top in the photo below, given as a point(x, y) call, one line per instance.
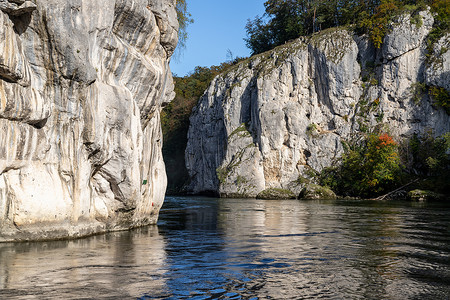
point(184, 19)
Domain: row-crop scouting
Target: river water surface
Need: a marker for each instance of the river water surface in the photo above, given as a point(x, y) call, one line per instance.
point(207, 248)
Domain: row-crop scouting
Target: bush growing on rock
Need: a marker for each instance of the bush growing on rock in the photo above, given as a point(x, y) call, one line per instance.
point(368, 167)
point(429, 154)
point(428, 157)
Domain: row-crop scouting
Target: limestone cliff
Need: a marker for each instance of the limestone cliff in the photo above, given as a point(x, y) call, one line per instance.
point(81, 87)
point(272, 118)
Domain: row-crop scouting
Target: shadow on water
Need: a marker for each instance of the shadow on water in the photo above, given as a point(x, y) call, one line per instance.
point(207, 248)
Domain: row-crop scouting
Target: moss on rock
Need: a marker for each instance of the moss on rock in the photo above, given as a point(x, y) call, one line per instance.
point(314, 191)
point(425, 195)
point(275, 194)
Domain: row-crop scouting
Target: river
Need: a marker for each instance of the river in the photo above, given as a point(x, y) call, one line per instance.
point(207, 248)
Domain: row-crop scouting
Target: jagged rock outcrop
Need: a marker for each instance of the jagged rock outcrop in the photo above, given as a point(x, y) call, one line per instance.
point(81, 87)
point(273, 118)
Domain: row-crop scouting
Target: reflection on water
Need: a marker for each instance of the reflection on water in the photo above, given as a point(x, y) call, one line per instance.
point(111, 266)
point(206, 248)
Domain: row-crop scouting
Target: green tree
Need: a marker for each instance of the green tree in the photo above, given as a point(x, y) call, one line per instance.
point(259, 38)
point(368, 167)
point(284, 20)
point(286, 17)
point(377, 24)
point(184, 19)
point(431, 154)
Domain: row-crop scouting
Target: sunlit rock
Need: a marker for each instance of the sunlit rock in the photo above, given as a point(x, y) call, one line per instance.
point(275, 119)
point(81, 87)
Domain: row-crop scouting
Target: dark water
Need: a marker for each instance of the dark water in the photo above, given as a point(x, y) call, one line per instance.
point(247, 249)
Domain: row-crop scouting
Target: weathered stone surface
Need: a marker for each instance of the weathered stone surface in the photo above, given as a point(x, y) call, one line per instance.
point(276, 118)
point(16, 8)
point(438, 74)
point(81, 87)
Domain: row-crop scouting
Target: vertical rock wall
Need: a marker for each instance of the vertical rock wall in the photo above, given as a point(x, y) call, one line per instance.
point(276, 117)
point(81, 87)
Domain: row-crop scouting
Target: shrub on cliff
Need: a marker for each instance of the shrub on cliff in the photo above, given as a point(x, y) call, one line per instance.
point(441, 97)
point(368, 167)
point(429, 155)
point(441, 8)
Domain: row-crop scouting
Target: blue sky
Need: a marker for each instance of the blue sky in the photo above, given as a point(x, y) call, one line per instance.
point(218, 25)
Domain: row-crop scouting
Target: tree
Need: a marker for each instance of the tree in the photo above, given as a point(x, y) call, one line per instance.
point(368, 167)
point(285, 20)
point(259, 36)
point(184, 19)
point(286, 17)
point(281, 22)
point(377, 24)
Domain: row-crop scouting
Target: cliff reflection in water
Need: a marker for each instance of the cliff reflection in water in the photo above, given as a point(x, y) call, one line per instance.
point(111, 266)
point(205, 248)
point(307, 250)
point(319, 250)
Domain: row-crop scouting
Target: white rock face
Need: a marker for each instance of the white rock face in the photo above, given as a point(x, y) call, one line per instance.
point(276, 117)
point(81, 87)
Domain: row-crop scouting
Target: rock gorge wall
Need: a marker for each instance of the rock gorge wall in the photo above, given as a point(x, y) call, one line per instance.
point(81, 87)
point(272, 118)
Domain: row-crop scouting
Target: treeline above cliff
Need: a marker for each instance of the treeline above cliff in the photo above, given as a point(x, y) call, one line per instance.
point(288, 19)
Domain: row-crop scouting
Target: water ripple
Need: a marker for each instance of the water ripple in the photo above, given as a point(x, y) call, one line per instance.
point(207, 248)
